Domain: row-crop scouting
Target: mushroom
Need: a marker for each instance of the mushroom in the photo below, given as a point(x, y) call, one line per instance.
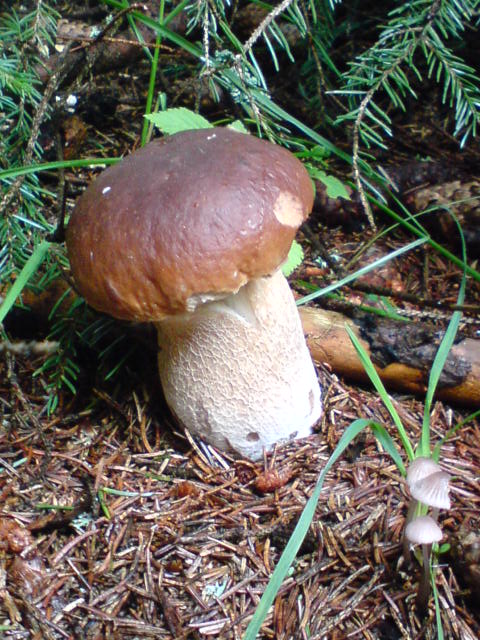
point(425, 531)
point(428, 484)
point(190, 232)
point(433, 491)
point(420, 468)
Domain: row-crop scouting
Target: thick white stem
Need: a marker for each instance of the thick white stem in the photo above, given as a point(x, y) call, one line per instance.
point(238, 373)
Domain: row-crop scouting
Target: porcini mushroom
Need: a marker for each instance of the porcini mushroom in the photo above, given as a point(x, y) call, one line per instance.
point(190, 233)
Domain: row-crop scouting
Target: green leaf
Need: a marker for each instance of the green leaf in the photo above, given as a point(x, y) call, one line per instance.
point(294, 260)
point(335, 187)
point(237, 125)
point(178, 119)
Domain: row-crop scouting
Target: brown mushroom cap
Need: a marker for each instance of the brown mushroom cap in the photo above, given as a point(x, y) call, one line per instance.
point(187, 218)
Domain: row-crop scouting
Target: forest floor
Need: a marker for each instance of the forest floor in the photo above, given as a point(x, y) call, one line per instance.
point(115, 524)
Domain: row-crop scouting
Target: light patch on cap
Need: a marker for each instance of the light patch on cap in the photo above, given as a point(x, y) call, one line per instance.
point(105, 190)
point(288, 210)
point(199, 299)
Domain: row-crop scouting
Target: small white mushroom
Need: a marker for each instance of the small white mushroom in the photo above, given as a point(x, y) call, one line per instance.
point(433, 490)
point(428, 484)
point(420, 468)
point(424, 531)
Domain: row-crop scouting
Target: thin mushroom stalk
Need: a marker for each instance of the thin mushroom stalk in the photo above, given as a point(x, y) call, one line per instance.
point(423, 531)
point(407, 555)
point(423, 592)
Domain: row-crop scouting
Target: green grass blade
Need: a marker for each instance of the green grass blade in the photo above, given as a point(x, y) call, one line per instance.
point(435, 373)
point(24, 276)
point(386, 440)
point(451, 432)
point(229, 77)
point(362, 271)
point(14, 172)
point(296, 539)
point(442, 355)
point(161, 29)
point(438, 616)
point(153, 77)
point(406, 224)
point(378, 384)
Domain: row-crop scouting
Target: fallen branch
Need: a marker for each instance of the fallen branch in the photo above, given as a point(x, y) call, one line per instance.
point(402, 354)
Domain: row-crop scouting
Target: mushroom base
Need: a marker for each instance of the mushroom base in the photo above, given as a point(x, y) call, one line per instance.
point(237, 372)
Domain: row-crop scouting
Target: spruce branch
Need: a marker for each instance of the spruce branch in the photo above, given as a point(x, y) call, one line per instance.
point(389, 63)
point(41, 111)
point(265, 24)
point(206, 37)
point(362, 111)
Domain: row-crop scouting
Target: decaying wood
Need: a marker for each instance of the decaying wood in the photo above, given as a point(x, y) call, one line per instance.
point(329, 343)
